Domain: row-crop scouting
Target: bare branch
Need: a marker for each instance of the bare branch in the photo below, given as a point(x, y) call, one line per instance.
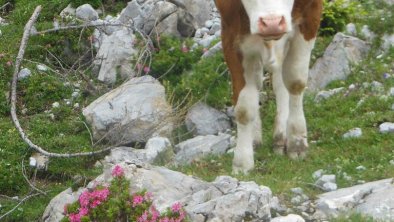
point(5, 5)
point(19, 58)
point(21, 202)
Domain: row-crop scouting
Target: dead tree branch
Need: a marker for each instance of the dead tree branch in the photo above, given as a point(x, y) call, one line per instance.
point(19, 59)
point(20, 202)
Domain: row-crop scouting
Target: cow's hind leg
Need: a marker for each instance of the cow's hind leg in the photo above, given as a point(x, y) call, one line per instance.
point(295, 75)
point(282, 111)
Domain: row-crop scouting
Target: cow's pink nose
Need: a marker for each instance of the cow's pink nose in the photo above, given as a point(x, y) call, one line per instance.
point(272, 26)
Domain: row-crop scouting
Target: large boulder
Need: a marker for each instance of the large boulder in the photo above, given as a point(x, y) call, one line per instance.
point(225, 199)
point(374, 199)
point(133, 112)
point(115, 54)
point(341, 54)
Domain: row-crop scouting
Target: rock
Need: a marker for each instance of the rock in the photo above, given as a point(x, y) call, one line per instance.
point(323, 95)
point(351, 29)
point(225, 199)
point(131, 113)
point(131, 12)
point(361, 168)
point(388, 41)
point(317, 174)
point(55, 105)
point(205, 120)
point(116, 53)
point(374, 199)
point(330, 186)
point(86, 13)
point(201, 146)
point(42, 68)
point(353, 133)
point(367, 34)
point(297, 190)
point(288, 218)
point(386, 127)
point(337, 60)
point(69, 11)
point(53, 212)
point(277, 207)
point(377, 87)
point(325, 179)
point(24, 73)
point(199, 9)
point(158, 150)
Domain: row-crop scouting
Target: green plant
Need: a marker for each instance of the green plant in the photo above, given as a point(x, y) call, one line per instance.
point(114, 203)
point(336, 14)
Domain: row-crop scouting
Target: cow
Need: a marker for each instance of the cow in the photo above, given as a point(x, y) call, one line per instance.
point(278, 35)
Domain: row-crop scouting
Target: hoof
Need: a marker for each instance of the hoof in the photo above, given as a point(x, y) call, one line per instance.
point(297, 148)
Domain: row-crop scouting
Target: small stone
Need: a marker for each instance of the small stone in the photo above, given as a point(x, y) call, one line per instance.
point(208, 24)
point(330, 186)
point(323, 95)
point(55, 105)
point(326, 179)
point(391, 93)
point(386, 127)
point(76, 105)
point(351, 29)
point(42, 68)
point(317, 174)
point(24, 73)
point(352, 86)
point(75, 94)
point(353, 133)
point(297, 190)
point(361, 168)
point(297, 200)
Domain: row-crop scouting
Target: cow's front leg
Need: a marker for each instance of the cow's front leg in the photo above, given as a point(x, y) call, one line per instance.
point(247, 107)
point(295, 76)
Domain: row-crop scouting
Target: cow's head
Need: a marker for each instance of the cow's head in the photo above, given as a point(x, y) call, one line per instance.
point(270, 19)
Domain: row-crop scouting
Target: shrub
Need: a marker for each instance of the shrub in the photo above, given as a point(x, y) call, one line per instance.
point(114, 203)
point(336, 15)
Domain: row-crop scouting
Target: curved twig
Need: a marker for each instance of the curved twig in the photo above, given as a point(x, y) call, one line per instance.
point(19, 58)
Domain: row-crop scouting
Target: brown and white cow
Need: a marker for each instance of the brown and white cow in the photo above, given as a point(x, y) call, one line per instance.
point(278, 35)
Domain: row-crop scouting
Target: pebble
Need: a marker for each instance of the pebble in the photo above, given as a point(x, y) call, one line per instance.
point(353, 133)
point(317, 174)
point(297, 190)
point(24, 73)
point(55, 105)
point(42, 68)
point(386, 127)
point(331, 178)
point(330, 186)
point(361, 168)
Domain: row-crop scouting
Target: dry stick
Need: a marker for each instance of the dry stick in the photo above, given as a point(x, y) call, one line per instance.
point(19, 58)
point(5, 5)
point(21, 202)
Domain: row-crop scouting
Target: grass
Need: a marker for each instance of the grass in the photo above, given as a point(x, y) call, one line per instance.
point(327, 120)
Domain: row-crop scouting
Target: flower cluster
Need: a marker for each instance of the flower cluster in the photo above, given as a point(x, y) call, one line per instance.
point(114, 203)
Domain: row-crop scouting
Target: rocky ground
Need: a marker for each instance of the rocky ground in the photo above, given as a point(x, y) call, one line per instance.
point(138, 112)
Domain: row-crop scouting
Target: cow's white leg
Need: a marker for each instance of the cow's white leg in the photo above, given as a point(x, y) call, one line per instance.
point(282, 111)
point(246, 109)
point(295, 76)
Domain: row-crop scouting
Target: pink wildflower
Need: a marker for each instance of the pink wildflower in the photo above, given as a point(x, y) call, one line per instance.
point(146, 69)
point(2, 55)
point(138, 66)
point(84, 199)
point(143, 217)
point(184, 48)
point(83, 212)
point(117, 171)
point(75, 218)
point(9, 63)
point(95, 203)
point(176, 207)
point(164, 219)
point(137, 200)
point(155, 213)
